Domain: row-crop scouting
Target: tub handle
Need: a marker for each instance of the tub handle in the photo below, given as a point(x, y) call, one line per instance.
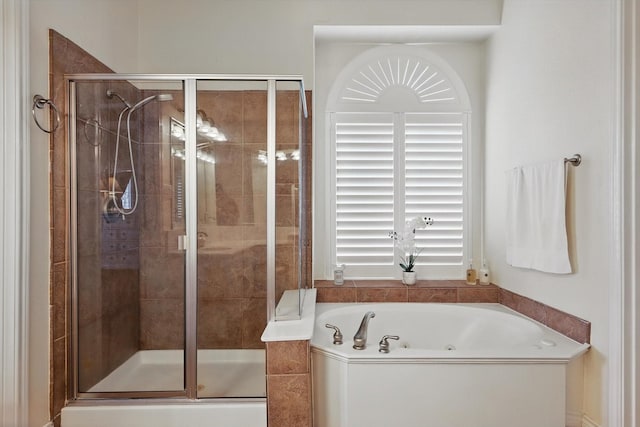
point(337, 335)
point(384, 344)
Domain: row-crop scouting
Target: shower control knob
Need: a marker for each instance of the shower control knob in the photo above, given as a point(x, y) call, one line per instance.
point(384, 344)
point(337, 335)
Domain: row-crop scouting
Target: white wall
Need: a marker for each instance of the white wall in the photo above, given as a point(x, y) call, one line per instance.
point(551, 94)
point(108, 30)
point(274, 36)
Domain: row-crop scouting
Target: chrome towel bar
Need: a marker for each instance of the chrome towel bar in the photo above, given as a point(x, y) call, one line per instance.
point(575, 160)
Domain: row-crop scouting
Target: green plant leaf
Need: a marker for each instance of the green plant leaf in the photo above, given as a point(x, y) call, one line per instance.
point(408, 268)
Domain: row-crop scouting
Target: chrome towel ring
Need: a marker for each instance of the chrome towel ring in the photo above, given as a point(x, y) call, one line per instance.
point(39, 102)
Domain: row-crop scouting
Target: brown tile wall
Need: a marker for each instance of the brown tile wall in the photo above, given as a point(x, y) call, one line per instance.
point(567, 324)
point(288, 384)
point(450, 291)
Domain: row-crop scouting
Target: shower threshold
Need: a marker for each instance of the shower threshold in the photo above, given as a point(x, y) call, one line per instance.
point(221, 373)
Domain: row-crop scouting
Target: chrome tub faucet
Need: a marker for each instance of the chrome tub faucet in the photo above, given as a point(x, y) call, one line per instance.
point(360, 338)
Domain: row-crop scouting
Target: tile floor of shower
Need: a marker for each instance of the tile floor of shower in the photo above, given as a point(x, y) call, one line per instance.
point(221, 373)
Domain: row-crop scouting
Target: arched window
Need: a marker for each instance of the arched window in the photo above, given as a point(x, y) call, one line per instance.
point(399, 125)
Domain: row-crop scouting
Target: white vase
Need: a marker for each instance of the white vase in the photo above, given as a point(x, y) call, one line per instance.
point(409, 277)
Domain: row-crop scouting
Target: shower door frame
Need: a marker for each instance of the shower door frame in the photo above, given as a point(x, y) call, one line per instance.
point(189, 82)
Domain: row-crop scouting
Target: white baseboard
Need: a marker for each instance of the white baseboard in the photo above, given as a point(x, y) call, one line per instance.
point(588, 422)
point(574, 419)
point(578, 419)
point(49, 424)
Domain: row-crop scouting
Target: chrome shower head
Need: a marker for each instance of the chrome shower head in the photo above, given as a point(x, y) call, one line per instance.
point(111, 94)
point(159, 97)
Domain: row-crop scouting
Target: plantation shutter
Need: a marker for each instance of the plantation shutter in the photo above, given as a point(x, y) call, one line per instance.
point(364, 198)
point(434, 184)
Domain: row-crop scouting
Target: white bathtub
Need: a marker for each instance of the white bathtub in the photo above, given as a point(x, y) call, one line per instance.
point(221, 373)
point(455, 365)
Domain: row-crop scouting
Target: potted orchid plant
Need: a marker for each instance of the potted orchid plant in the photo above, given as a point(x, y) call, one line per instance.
point(406, 246)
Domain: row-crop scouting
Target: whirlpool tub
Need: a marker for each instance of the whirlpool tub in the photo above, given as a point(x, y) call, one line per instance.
point(454, 365)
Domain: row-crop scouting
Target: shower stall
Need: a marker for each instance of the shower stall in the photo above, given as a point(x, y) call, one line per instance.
point(188, 230)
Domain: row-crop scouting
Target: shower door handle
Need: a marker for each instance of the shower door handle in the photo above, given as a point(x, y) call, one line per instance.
point(182, 242)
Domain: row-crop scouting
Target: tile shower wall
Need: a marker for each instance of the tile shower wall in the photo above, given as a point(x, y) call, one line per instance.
point(162, 266)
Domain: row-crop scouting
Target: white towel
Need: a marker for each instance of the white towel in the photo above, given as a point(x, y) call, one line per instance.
point(536, 218)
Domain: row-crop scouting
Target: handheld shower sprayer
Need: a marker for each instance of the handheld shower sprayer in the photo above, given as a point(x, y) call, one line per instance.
point(114, 208)
point(159, 97)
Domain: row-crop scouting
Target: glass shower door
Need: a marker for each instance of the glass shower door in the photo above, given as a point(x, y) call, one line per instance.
point(231, 134)
point(129, 271)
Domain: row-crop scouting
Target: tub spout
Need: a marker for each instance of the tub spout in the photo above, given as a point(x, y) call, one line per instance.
point(360, 338)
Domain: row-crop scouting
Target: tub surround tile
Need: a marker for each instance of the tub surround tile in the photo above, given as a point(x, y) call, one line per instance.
point(442, 284)
point(329, 284)
point(367, 284)
point(446, 291)
point(524, 305)
point(336, 294)
point(567, 324)
point(420, 294)
point(386, 294)
point(452, 291)
point(478, 294)
point(571, 326)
